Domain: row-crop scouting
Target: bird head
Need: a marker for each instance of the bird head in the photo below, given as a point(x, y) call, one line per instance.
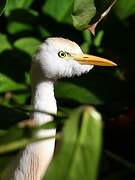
point(59, 57)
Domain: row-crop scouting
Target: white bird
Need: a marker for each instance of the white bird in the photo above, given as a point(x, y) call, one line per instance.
point(56, 58)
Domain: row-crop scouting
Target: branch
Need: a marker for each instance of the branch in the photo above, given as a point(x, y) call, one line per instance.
point(120, 160)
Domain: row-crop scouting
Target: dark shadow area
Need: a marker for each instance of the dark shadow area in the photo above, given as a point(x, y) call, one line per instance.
point(14, 63)
point(9, 117)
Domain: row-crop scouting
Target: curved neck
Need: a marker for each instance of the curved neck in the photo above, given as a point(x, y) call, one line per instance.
point(43, 100)
point(38, 155)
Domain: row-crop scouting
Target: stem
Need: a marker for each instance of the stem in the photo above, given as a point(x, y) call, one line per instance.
point(120, 160)
point(23, 142)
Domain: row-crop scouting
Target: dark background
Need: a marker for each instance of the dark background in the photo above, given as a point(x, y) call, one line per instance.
point(25, 24)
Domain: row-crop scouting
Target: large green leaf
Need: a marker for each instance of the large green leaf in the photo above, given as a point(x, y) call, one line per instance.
point(83, 12)
point(7, 84)
point(79, 153)
point(15, 4)
point(58, 9)
point(2, 5)
point(27, 44)
point(4, 43)
point(125, 8)
point(70, 91)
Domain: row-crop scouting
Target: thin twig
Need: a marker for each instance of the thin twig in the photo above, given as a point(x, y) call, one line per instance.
point(92, 27)
point(5, 148)
point(120, 160)
point(30, 110)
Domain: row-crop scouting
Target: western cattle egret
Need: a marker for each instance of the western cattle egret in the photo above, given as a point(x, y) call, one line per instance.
point(55, 58)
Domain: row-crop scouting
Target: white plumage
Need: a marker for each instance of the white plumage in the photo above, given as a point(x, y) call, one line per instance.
point(55, 58)
point(54, 67)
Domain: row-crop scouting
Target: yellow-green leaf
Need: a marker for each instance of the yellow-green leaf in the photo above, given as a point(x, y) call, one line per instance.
point(79, 153)
point(83, 12)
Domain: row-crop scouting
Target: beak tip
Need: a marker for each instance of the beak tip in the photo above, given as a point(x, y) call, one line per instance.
point(114, 64)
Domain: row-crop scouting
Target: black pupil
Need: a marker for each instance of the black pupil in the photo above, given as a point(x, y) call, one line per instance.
point(62, 54)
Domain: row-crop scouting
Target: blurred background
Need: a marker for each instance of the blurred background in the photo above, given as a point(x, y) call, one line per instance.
point(25, 24)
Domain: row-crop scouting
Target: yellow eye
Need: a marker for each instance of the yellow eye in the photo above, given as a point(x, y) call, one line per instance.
point(62, 54)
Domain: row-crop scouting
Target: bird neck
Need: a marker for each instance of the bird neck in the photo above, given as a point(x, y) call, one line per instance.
point(43, 99)
point(38, 155)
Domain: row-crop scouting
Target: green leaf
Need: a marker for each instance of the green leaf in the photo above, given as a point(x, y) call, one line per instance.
point(27, 44)
point(21, 20)
point(74, 92)
point(78, 156)
point(4, 43)
point(21, 98)
point(7, 84)
point(87, 41)
point(83, 12)
point(58, 9)
point(17, 137)
point(125, 8)
point(98, 39)
point(17, 27)
point(2, 6)
point(15, 4)
point(2, 132)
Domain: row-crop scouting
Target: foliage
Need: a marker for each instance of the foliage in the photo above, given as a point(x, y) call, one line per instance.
point(81, 147)
point(23, 26)
point(83, 12)
point(2, 6)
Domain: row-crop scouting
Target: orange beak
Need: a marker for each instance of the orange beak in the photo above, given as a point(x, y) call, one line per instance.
point(92, 60)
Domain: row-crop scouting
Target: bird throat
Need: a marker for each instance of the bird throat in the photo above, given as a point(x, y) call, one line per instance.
point(43, 101)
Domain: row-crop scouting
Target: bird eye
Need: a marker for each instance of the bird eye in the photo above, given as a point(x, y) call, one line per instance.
point(62, 54)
